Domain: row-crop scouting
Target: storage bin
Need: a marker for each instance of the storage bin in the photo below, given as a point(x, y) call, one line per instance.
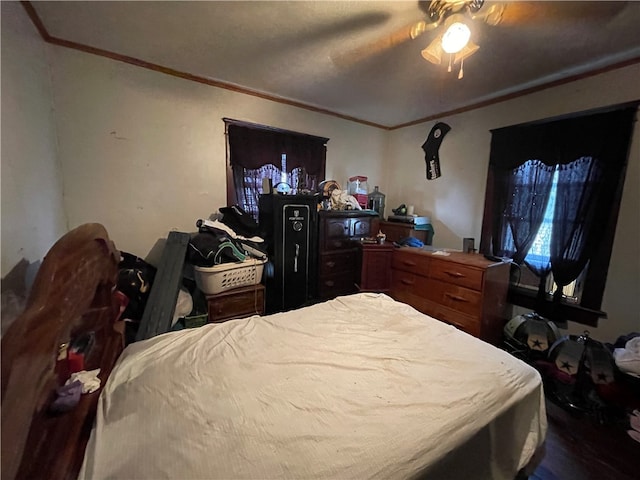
point(219, 278)
point(195, 321)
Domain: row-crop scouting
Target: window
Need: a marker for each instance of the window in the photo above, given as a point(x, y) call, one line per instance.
point(552, 199)
point(294, 162)
point(539, 254)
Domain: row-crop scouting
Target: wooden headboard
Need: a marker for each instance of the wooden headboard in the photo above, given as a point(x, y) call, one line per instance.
point(72, 294)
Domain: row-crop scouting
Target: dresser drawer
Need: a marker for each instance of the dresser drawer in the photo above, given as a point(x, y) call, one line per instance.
point(241, 302)
point(410, 261)
point(333, 285)
point(462, 289)
point(456, 298)
point(333, 263)
point(360, 227)
point(408, 282)
point(409, 288)
point(336, 234)
point(466, 323)
point(456, 273)
point(419, 302)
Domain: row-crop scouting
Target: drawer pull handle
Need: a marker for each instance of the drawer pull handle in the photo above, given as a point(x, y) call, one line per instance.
point(407, 282)
point(331, 264)
point(454, 274)
point(329, 283)
point(455, 297)
point(409, 263)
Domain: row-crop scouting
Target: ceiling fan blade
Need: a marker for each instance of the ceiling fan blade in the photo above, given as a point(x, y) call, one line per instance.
point(358, 54)
point(491, 15)
point(558, 12)
point(420, 27)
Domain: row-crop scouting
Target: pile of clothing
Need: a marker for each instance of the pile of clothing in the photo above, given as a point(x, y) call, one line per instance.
point(634, 425)
point(626, 353)
point(232, 238)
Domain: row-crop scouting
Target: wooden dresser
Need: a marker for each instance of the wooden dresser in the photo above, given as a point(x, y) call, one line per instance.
point(337, 252)
point(236, 303)
point(396, 231)
point(462, 289)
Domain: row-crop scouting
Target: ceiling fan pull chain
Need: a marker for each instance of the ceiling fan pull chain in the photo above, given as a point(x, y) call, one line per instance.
point(461, 72)
point(450, 56)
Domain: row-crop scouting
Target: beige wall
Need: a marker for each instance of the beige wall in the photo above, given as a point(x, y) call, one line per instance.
point(144, 153)
point(32, 212)
point(455, 201)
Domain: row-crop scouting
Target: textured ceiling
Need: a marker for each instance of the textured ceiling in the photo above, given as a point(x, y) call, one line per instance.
point(353, 58)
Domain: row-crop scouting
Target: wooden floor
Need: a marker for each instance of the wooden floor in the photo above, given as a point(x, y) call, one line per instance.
point(580, 448)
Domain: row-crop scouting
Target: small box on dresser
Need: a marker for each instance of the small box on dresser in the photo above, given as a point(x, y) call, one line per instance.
point(463, 289)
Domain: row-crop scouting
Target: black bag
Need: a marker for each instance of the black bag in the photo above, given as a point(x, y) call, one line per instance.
point(135, 278)
point(239, 221)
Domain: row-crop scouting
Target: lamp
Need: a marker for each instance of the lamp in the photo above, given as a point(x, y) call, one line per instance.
point(456, 37)
point(433, 52)
point(455, 41)
point(466, 51)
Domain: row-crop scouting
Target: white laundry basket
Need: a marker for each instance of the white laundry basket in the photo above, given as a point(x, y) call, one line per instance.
point(219, 278)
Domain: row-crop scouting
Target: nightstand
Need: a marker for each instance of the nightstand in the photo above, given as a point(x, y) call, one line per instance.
point(236, 303)
point(374, 267)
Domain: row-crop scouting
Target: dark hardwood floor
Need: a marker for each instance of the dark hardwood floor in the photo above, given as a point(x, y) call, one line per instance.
point(580, 448)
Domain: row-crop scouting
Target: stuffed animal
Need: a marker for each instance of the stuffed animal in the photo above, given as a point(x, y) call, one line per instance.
point(341, 200)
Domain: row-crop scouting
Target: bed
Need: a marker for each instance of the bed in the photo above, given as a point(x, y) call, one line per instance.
point(359, 387)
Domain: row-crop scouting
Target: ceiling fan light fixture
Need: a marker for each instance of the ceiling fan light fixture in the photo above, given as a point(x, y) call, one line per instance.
point(456, 37)
point(433, 52)
point(468, 50)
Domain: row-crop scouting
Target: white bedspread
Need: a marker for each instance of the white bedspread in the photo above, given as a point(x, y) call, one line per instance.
point(357, 387)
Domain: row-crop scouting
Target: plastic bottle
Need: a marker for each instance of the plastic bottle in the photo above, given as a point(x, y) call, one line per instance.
point(376, 201)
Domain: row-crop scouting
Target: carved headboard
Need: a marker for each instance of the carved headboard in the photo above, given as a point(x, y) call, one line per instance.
point(72, 294)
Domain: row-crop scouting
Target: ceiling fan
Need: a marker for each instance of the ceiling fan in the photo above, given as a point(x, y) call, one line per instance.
point(455, 16)
point(438, 13)
point(439, 16)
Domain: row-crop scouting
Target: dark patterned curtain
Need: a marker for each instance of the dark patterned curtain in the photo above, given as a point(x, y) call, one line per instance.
point(253, 146)
point(255, 152)
point(590, 153)
point(528, 194)
point(578, 218)
point(248, 184)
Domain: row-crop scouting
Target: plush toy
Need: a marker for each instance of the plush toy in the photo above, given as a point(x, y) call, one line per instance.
point(341, 200)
